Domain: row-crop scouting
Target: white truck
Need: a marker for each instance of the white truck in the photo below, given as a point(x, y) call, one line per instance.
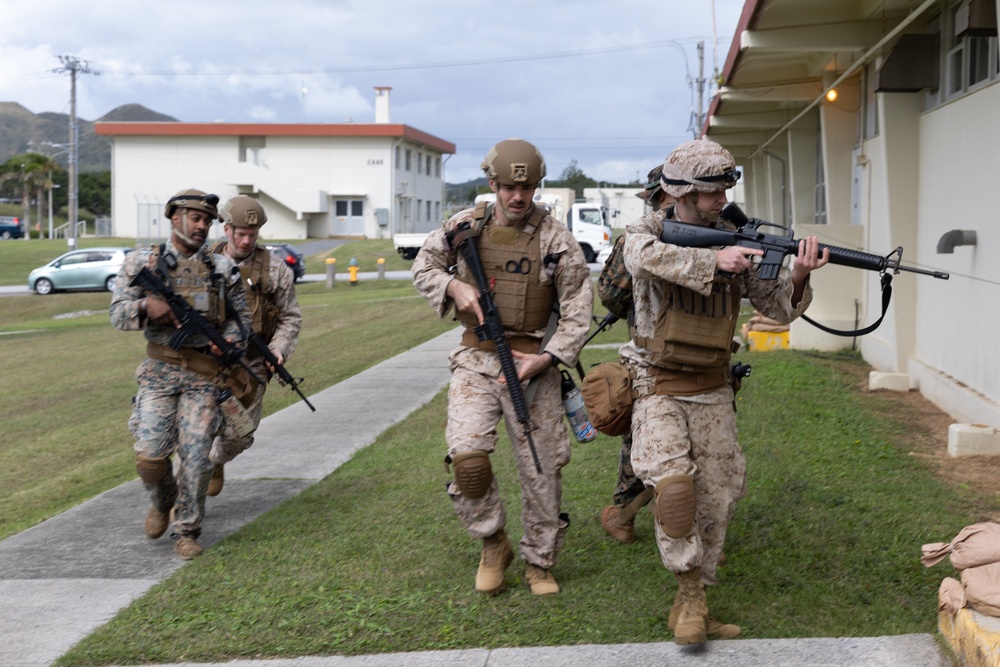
point(408, 245)
point(588, 222)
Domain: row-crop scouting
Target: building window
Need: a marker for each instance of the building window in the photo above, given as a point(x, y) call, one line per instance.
point(820, 204)
point(968, 62)
point(409, 160)
point(354, 208)
point(397, 158)
point(252, 150)
point(437, 167)
point(428, 165)
point(437, 211)
point(869, 115)
point(428, 210)
point(420, 205)
point(420, 162)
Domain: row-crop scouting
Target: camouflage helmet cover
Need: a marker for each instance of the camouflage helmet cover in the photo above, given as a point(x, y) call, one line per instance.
point(653, 184)
point(193, 199)
point(243, 211)
point(513, 162)
point(699, 165)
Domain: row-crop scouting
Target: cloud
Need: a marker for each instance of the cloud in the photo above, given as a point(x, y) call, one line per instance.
point(606, 84)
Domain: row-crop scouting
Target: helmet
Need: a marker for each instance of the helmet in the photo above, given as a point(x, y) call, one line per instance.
point(513, 162)
point(195, 199)
point(698, 166)
point(653, 184)
point(243, 211)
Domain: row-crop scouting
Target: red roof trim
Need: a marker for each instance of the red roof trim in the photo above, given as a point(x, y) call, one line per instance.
point(274, 129)
point(748, 20)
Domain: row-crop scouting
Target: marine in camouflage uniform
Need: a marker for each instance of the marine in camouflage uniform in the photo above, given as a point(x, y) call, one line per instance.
point(176, 409)
point(275, 315)
point(534, 261)
point(684, 439)
point(630, 494)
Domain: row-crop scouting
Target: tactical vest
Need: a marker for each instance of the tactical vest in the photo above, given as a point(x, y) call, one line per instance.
point(259, 289)
point(195, 280)
point(512, 262)
point(695, 333)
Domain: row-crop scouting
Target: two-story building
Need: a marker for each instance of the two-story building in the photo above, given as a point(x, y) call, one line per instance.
point(315, 180)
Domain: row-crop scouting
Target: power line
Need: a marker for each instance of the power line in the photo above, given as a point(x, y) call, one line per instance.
point(73, 65)
point(671, 43)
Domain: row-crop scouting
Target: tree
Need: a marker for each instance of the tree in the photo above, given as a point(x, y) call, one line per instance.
point(573, 177)
point(95, 192)
point(32, 172)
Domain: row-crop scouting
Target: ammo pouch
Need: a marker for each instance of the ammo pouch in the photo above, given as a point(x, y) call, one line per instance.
point(241, 384)
point(238, 421)
point(607, 393)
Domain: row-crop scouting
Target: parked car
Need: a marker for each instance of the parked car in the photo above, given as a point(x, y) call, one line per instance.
point(292, 258)
point(11, 227)
point(84, 269)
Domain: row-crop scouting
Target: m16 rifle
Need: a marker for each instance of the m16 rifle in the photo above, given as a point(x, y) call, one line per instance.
point(748, 234)
point(190, 320)
point(492, 329)
point(284, 377)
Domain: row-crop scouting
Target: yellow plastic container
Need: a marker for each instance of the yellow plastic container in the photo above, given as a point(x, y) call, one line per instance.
point(765, 341)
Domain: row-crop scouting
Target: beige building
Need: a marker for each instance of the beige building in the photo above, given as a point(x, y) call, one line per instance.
point(345, 179)
point(876, 124)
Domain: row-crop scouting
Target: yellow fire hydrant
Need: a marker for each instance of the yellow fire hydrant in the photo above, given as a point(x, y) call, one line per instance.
point(352, 269)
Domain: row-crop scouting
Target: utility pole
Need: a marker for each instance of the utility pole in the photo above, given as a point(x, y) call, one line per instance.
point(700, 117)
point(73, 65)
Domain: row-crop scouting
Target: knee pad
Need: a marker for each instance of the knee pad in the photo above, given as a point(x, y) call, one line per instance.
point(151, 470)
point(473, 473)
point(675, 504)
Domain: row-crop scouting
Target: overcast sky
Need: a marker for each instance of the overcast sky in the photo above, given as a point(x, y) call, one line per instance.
point(609, 83)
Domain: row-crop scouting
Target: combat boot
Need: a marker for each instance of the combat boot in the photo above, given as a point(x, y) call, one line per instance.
point(611, 522)
point(217, 480)
point(540, 581)
point(156, 523)
point(690, 623)
point(713, 629)
point(619, 522)
point(187, 548)
point(497, 556)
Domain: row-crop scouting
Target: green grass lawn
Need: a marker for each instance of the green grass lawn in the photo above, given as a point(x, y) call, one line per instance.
point(65, 438)
point(372, 560)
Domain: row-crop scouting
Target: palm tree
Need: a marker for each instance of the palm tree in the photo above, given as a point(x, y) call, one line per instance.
point(32, 172)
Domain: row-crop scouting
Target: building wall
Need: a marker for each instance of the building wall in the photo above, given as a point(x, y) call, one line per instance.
point(299, 179)
point(956, 320)
point(149, 170)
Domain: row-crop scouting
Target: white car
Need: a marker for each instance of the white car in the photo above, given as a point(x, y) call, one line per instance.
point(602, 257)
point(87, 268)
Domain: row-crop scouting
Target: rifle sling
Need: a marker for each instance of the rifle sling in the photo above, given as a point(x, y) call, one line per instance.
point(886, 296)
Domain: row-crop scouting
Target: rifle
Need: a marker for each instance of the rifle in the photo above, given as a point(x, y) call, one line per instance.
point(284, 377)
point(775, 247)
point(492, 329)
point(191, 321)
point(602, 325)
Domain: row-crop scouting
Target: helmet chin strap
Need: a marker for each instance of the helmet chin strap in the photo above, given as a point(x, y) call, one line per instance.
point(183, 236)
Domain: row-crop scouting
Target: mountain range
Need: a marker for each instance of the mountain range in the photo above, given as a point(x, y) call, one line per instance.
point(22, 131)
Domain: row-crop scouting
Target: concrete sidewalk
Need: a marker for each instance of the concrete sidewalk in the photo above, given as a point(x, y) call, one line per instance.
point(58, 584)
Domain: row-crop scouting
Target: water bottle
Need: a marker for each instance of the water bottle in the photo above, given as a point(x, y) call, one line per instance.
point(576, 411)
